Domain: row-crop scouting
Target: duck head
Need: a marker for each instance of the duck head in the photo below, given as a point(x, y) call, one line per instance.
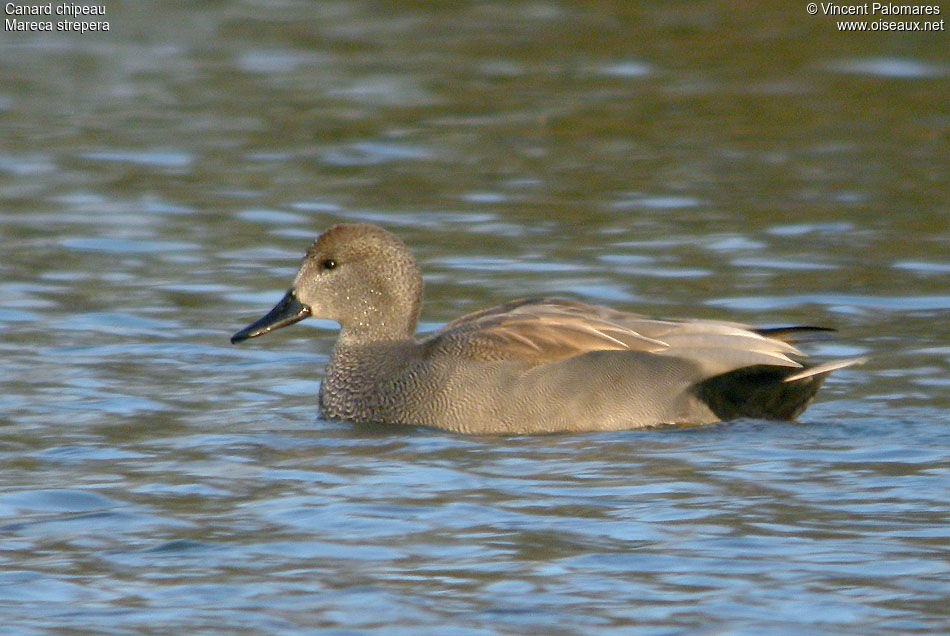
point(357, 275)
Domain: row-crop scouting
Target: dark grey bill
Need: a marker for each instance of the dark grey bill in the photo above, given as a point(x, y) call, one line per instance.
point(288, 311)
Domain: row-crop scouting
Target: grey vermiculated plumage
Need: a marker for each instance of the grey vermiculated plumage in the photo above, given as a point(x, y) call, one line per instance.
point(531, 365)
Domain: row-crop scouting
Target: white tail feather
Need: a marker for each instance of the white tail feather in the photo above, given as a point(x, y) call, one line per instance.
point(824, 367)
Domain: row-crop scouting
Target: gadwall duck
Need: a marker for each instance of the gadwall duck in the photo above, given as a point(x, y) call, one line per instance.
point(531, 365)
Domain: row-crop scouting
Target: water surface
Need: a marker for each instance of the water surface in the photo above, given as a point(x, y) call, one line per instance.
point(158, 184)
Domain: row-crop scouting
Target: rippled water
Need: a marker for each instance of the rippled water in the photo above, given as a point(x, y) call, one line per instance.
point(158, 184)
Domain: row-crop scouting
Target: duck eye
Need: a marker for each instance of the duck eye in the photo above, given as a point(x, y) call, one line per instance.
point(327, 263)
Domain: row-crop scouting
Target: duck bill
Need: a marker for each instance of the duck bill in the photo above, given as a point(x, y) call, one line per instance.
point(288, 311)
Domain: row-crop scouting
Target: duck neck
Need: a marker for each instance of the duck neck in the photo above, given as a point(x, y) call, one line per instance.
point(351, 385)
point(371, 328)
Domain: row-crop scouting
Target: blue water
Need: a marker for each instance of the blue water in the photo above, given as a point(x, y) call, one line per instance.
point(160, 182)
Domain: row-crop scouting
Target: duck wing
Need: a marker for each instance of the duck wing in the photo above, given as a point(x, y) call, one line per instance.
point(544, 330)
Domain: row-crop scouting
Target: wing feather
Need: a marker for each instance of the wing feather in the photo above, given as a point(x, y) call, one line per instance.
point(547, 330)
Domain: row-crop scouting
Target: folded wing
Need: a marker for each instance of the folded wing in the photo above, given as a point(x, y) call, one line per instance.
point(540, 331)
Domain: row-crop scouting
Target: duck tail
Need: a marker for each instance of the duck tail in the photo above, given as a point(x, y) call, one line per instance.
point(823, 369)
point(765, 391)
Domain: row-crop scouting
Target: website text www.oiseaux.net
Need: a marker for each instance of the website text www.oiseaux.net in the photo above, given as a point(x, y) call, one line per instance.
point(883, 15)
